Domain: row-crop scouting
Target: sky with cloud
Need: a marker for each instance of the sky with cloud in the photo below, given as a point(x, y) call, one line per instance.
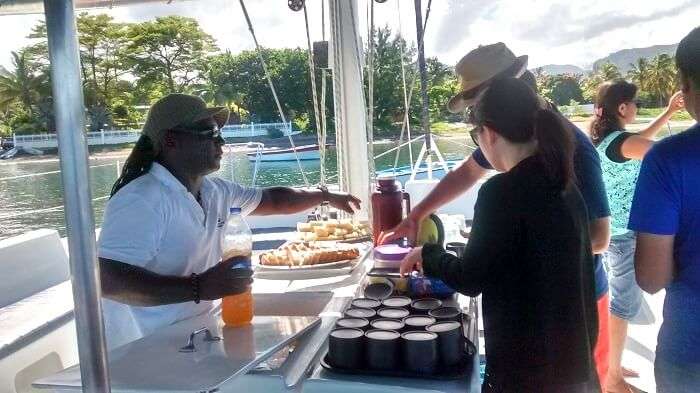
point(550, 32)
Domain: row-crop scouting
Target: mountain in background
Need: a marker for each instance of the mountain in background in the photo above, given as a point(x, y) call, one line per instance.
point(624, 58)
point(558, 69)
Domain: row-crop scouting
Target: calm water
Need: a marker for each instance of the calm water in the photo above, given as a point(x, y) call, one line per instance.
point(45, 192)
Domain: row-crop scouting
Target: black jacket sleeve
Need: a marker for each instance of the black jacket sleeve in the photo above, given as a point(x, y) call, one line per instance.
point(492, 241)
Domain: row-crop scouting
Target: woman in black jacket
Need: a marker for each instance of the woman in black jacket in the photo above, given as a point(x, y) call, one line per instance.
point(529, 252)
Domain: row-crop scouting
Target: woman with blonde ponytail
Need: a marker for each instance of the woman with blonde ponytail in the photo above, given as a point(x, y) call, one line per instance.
point(529, 253)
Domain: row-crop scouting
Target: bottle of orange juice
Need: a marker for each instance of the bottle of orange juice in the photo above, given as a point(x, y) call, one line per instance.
point(237, 310)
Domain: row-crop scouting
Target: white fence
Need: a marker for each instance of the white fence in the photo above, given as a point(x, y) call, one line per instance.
point(254, 130)
point(43, 141)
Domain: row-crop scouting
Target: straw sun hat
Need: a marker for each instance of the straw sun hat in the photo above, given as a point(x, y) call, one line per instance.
point(480, 66)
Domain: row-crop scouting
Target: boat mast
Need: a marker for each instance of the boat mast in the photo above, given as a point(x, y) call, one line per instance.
point(72, 149)
point(350, 111)
point(423, 72)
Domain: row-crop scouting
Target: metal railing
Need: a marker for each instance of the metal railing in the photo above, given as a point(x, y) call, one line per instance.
point(252, 129)
point(130, 136)
point(93, 138)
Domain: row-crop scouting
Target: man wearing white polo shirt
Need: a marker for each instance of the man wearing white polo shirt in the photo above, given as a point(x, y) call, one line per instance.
point(159, 247)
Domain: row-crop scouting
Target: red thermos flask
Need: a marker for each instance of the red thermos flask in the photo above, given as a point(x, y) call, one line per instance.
point(387, 205)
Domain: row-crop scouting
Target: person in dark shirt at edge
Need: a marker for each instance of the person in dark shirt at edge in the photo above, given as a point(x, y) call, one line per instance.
point(529, 252)
point(476, 70)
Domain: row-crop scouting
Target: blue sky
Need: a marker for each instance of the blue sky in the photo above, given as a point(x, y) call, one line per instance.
point(550, 32)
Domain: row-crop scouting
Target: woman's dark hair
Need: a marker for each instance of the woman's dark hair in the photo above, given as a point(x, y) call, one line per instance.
point(513, 110)
point(610, 95)
point(139, 162)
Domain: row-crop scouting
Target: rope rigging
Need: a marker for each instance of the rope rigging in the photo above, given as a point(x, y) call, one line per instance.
point(320, 131)
point(406, 126)
point(272, 88)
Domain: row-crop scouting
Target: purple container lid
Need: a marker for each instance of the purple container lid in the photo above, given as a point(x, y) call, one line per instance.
point(391, 252)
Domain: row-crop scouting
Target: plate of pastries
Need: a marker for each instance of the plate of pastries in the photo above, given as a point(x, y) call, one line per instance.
point(309, 255)
point(344, 230)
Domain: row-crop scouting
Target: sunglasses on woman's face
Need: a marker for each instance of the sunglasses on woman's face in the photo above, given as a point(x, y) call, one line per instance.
point(638, 104)
point(474, 134)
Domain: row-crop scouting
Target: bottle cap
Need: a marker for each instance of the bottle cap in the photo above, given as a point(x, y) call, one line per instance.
point(235, 210)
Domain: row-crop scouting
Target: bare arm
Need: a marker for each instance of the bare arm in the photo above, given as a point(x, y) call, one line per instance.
point(286, 200)
point(136, 286)
point(674, 105)
point(599, 230)
point(653, 261)
point(450, 187)
point(635, 147)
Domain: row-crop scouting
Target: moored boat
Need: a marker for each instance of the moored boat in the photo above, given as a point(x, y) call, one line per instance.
point(306, 152)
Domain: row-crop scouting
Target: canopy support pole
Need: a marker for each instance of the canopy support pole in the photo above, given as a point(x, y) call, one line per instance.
point(80, 224)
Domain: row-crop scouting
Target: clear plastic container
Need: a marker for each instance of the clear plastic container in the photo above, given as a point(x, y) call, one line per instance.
point(237, 241)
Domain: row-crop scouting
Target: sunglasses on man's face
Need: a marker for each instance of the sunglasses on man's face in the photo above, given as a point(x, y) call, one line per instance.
point(213, 133)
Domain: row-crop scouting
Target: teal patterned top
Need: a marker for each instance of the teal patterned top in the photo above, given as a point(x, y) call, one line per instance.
point(620, 181)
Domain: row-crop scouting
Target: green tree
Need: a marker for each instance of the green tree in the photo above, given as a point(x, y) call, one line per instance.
point(102, 57)
point(442, 85)
point(388, 85)
point(563, 89)
point(239, 82)
point(663, 78)
point(170, 50)
point(609, 71)
point(640, 74)
point(21, 85)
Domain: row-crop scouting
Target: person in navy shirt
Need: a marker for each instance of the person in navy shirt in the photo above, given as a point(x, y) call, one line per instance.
point(666, 216)
point(477, 70)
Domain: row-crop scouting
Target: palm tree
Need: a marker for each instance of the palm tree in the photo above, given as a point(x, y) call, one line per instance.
point(21, 85)
point(663, 77)
point(640, 73)
point(609, 71)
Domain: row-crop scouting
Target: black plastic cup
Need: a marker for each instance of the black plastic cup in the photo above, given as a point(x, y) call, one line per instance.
point(366, 303)
point(353, 323)
point(418, 322)
point(423, 306)
point(450, 342)
point(346, 348)
point(393, 313)
point(397, 301)
point(446, 314)
point(383, 349)
point(420, 350)
point(456, 247)
point(387, 324)
point(366, 313)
